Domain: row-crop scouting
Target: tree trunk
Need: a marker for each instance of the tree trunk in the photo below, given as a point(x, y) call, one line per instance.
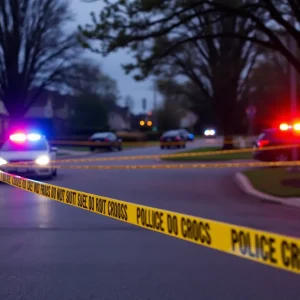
point(227, 118)
point(228, 143)
point(228, 129)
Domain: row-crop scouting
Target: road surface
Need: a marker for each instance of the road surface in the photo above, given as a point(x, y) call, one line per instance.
point(51, 251)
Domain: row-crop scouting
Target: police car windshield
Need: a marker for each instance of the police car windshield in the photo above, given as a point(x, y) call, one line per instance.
point(40, 145)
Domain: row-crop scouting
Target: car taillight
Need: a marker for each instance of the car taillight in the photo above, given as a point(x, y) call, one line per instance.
point(263, 143)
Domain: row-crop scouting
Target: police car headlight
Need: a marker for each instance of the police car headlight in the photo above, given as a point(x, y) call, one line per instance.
point(2, 161)
point(43, 160)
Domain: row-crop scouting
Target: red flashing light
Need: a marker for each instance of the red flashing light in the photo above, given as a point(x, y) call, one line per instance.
point(297, 126)
point(177, 138)
point(284, 126)
point(18, 137)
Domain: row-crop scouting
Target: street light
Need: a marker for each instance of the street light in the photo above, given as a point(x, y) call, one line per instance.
point(293, 88)
point(149, 123)
point(142, 123)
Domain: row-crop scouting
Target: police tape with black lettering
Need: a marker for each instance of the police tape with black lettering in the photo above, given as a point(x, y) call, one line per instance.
point(195, 230)
point(150, 219)
point(268, 248)
point(263, 247)
point(189, 229)
point(117, 210)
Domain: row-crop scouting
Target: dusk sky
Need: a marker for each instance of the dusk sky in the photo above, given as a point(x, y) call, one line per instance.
point(111, 65)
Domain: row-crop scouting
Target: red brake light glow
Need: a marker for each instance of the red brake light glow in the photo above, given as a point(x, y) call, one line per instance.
point(18, 137)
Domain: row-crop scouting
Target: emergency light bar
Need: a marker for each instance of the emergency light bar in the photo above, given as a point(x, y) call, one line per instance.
point(285, 127)
point(21, 137)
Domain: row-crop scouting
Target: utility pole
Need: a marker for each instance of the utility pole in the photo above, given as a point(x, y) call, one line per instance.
point(293, 88)
point(155, 125)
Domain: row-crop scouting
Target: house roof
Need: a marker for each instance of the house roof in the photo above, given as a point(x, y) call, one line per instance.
point(41, 100)
point(58, 100)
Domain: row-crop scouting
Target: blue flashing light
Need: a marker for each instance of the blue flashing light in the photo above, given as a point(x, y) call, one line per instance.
point(33, 137)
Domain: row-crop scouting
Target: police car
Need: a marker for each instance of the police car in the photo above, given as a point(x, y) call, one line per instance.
point(287, 135)
point(30, 149)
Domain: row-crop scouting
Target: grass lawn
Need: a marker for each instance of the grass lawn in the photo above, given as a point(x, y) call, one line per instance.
point(275, 181)
point(126, 145)
point(140, 144)
point(215, 157)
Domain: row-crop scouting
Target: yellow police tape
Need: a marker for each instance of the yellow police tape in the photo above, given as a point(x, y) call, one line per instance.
point(263, 247)
point(172, 155)
point(175, 155)
point(137, 143)
point(164, 166)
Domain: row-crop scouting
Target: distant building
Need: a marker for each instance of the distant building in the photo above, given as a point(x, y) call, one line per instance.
point(119, 118)
point(49, 113)
point(4, 116)
point(188, 119)
point(52, 110)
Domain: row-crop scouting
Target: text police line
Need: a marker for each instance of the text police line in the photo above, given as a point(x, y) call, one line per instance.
point(267, 248)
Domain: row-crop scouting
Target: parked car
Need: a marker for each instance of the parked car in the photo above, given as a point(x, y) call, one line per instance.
point(187, 135)
point(172, 138)
point(283, 136)
point(105, 140)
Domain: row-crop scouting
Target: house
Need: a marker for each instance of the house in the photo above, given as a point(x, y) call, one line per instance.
point(49, 113)
point(4, 116)
point(119, 118)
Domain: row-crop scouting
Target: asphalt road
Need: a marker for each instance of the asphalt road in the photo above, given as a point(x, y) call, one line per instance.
point(52, 251)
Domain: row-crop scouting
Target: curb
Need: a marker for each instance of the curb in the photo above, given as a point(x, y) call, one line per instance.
point(210, 161)
point(245, 185)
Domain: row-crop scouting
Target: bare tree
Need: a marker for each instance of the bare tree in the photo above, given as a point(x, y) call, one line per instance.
point(35, 49)
point(87, 76)
point(189, 38)
point(125, 24)
point(219, 66)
